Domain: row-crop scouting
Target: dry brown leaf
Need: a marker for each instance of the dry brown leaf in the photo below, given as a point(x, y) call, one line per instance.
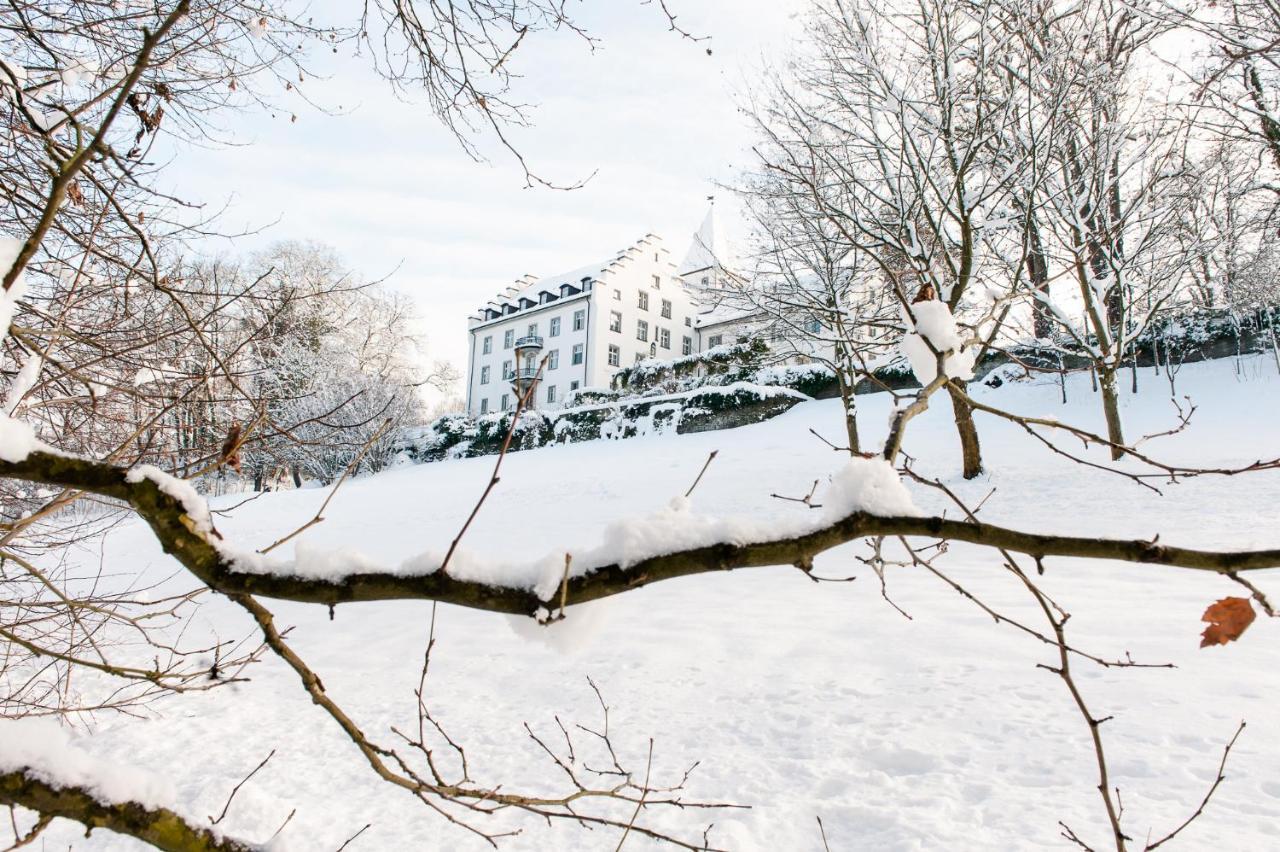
point(1227, 619)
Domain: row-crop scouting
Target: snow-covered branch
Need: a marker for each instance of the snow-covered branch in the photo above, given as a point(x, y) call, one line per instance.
point(689, 545)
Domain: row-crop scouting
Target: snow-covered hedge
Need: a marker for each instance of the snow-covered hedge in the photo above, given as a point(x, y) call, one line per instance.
point(730, 362)
point(698, 410)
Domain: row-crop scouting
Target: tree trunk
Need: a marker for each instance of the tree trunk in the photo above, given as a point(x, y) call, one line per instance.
point(1038, 273)
point(297, 476)
point(850, 405)
point(1111, 410)
point(969, 447)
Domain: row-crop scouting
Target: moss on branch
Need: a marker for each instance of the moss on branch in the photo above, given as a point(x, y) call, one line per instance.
point(160, 827)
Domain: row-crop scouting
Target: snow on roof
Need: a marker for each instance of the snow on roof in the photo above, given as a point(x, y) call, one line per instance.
point(723, 313)
point(529, 286)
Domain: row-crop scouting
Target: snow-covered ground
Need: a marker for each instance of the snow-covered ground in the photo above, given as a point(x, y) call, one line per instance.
point(801, 700)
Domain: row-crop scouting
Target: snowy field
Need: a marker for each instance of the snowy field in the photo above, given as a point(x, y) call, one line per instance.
point(800, 700)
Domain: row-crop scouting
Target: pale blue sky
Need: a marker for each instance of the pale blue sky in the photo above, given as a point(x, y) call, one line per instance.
point(388, 187)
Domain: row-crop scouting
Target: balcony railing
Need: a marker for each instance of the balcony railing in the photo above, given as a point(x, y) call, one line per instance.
point(529, 341)
point(524, 374)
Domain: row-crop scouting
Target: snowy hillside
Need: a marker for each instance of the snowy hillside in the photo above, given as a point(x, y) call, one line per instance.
point(801, 700)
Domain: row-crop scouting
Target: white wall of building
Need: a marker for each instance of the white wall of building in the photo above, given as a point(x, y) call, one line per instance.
point(616, 287)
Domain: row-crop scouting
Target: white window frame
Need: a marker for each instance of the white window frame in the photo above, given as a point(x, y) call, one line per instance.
point(615, 356)
point(484, 406)
point(686, 348)
point(508, 338)
point(666, 309)
point(507, 371)
point(642, 331)
point(553, 359)
point(664, 338)
point(642, 300)
point(555, 327)
point(575, 358)
point(551, 393)
point(506, 402)
point(484, 375)
point(579, 320)
point(487, 346)
point(615, 321)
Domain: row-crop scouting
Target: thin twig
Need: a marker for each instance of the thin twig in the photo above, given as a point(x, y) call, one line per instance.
point(236, 789)
point(706, 465)
point(1222, 765)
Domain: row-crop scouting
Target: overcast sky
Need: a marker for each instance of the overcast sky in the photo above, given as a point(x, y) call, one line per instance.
point(650, 112)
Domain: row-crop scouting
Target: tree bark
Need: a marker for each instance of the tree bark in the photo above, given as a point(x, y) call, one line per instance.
point(970, 449)
point(850, 409)
point(1111, 410)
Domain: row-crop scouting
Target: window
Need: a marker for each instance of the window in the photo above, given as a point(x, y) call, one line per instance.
point(506, 401)
point(615, 321)
point(484, 406)
point(705, 281)
point(577, 353)
point(642, 330)
point(487, 347)
point(664, 338)
point(643, 302)
point(666, 309)
point(657, 282)
point(579, 320)
point(506, 370)
point(639, 357)
point(615, 356)
point(715, 340)
point(553, 359)
point(686, 347)
point(508, 338)
point(555, 327)
point(688, 321)
point(617, 295)
point(551, 393)
point(533, 329)
point(574, 385)
point(484, 375)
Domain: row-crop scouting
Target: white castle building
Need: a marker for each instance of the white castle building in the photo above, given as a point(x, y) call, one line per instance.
point(589, 323)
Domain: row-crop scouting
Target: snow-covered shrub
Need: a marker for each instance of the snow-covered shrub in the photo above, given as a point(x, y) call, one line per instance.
point(729, 362)
point(809, 379)
point(591, 396)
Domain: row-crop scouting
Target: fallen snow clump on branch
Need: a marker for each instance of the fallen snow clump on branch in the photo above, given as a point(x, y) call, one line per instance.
point(179, 489)
point(42, 748)
point(934, 322)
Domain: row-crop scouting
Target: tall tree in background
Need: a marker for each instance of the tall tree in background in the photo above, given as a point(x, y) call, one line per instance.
point(893, 117)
